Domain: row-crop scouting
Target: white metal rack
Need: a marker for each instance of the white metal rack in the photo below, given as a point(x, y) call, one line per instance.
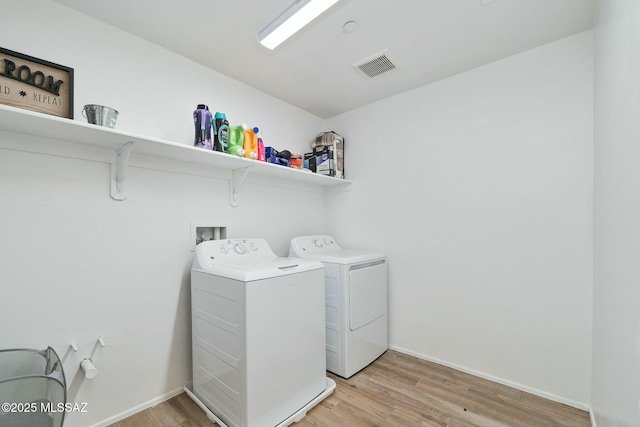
point(122, 144)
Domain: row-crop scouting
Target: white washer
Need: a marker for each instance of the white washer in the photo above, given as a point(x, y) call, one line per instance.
point(258, 333)
point(356, 302)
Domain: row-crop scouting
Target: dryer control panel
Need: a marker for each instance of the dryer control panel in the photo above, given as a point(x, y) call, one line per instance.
point(314, 244)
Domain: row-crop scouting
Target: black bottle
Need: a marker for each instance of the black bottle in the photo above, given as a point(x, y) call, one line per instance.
point(220, 132)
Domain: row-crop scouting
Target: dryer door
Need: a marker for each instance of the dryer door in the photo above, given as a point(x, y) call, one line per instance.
point(367, 293)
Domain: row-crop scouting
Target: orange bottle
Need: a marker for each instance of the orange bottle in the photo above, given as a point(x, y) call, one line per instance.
point(251, 143)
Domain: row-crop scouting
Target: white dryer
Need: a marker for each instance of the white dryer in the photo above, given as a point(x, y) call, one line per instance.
point(258, 333)
point(356, 302)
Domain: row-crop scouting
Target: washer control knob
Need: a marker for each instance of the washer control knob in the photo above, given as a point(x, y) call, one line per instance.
point(253, 247)
point(318, 243)
point(223, 249)
point(239, 248)
point(327, 242)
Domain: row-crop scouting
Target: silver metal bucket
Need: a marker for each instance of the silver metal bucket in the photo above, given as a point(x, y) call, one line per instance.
point(100, 115)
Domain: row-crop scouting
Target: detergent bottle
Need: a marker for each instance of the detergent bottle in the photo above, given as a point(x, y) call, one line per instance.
point(261, 152)
point(251, 143)
point(235, 140)
point(220, 132)
point(202, 121)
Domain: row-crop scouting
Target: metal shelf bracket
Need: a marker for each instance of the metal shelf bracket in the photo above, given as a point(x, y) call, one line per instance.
point(237, 179)
point(119, 171)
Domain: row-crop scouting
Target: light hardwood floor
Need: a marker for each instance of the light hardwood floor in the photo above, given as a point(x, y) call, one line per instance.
point(400, 390)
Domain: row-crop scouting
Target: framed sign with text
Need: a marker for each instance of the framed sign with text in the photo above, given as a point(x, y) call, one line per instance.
point(34, 84)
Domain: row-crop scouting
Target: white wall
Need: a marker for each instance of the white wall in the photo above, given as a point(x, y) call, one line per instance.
point(75, 264)
point(486, 215)
point(616, 309)
point(479, 189)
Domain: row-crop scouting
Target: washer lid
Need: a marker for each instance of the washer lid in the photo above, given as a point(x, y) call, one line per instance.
point(246, 260)
point(325, 249)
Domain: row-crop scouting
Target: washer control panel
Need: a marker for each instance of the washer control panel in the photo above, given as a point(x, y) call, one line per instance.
point(238, 246)
point(230, 251)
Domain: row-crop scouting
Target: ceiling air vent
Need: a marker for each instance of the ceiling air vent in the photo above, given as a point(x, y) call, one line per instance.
point(377, 64)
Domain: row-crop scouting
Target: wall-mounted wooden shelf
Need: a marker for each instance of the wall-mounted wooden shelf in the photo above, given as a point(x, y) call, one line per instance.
point(124, 143)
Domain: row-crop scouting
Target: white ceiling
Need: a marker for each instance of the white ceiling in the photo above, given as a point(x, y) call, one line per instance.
point(431, 39)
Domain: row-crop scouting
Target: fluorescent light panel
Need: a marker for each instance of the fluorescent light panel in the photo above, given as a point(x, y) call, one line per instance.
point(295, 17)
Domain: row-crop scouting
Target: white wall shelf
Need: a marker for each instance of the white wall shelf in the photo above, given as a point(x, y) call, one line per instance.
point(31, 123)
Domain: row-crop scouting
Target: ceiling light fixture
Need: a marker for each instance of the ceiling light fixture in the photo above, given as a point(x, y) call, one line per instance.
point(294, 18)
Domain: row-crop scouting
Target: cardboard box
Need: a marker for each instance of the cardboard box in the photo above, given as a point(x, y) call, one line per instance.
point(323, 161)
point(332, 145)
point(271, 156)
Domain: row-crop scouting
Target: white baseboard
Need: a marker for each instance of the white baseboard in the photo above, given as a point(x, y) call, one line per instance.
point(543, 394)
point(153, 402)
point(579, 405)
